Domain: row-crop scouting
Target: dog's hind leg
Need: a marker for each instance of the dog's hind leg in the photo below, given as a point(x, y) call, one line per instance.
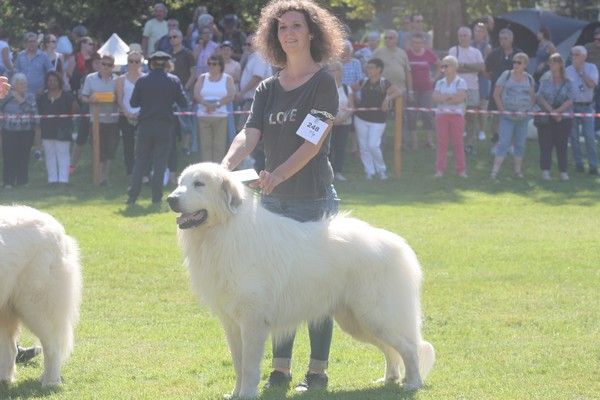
point(254, 335)
point(53, 335)
point(234, 340)
point(394, 368)
point(9, 327)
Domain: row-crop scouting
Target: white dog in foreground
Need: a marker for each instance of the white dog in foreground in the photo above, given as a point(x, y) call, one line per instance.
point(262, 273)
point(40, 286)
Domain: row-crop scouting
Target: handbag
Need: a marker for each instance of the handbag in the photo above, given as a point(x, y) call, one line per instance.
point(543, 120)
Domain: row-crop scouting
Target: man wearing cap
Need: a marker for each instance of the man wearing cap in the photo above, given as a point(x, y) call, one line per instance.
point(155, 94)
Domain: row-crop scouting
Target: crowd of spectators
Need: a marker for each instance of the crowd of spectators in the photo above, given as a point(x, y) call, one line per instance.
point(219, 69)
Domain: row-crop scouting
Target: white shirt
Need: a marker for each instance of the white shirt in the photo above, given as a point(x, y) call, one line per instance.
point(443, 87)
point(212, 92)
point(154, 30)
point(255, 66)
point(468, 55)
point(583, 93)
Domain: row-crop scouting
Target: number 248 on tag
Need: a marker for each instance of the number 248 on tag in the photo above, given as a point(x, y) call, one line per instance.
point(312, 129)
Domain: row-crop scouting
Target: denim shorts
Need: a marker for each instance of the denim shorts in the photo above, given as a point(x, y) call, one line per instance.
point(304, 210)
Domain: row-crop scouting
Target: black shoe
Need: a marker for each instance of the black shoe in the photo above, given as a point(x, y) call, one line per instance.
point(313, 381)
point(278, 379)
point(593, 171)
point(579, 168)
point(26, 354)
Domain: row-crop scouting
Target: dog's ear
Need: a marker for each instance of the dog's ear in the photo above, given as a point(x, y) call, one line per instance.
point(233, 194)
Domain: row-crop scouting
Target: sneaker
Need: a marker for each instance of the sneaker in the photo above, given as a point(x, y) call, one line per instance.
point(313, 381)
point(481, 135)
point(564, 176)
point(26, 354)
point(369, 177)
point(463, 175)
point(383, 176)
point(469, 150)
point(593, 171)
point(494, 175)
point(278, 379)
point(339, 177)
point(546, 175)
point(438, 174)
point(519, 175)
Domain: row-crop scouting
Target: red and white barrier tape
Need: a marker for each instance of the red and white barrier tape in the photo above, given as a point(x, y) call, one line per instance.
point(416, 109)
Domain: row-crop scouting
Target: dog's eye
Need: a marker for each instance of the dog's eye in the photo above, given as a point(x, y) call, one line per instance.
point(198, 184)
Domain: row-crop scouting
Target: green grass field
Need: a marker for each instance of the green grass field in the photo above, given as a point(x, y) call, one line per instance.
point(511, 294)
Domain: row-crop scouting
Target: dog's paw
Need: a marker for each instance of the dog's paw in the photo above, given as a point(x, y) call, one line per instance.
point(412, 386)
point(49, 382)
point(388, 380)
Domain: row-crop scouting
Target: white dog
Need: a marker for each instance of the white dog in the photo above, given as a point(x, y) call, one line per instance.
point(263, 273)
point(40, 285)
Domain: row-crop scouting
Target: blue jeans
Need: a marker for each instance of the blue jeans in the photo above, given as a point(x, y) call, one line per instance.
point(511, 131)
point(585, 126)
point(320, 333)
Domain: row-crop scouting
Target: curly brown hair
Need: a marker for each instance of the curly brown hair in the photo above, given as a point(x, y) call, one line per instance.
point(326, 30)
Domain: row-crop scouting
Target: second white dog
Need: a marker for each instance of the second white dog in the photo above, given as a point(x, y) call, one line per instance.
point(263, 273)
point(40, 286)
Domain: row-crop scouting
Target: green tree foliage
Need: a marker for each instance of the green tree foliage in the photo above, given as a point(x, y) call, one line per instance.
point(126, 17)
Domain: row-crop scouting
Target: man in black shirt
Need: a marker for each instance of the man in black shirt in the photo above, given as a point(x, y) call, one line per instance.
point(155, 94)
point(498, 61)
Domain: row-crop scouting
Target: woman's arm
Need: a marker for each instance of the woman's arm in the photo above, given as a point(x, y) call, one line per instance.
point(458, 98)
point(6, 59)
point(498, 97)
point(197, 89)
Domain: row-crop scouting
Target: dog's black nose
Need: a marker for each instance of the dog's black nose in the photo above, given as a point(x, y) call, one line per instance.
point(174, 203)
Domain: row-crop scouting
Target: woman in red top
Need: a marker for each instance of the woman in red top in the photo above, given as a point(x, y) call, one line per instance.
point(423, 62)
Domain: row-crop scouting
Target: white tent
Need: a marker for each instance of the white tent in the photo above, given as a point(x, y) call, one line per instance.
point(115, 47)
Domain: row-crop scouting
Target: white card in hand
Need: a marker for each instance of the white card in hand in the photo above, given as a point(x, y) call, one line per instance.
point(312, 129)
point(245, 175)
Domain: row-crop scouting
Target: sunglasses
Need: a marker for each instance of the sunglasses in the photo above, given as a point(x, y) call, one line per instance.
point(51, 41)
point(517, 62)
point(134, 61)
point(173, 37)
point(443, 66)
point(212, 63)
point(107, 64)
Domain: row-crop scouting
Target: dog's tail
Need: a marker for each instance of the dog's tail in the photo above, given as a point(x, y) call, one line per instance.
point(426, 358)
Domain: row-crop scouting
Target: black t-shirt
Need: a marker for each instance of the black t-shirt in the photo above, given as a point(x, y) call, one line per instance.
point(183, 61)
point(56, 128)
point(278, 114)
point(372, 95)
point(497, 62)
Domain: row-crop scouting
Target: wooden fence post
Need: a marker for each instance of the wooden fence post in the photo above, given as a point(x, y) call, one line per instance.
point(399, 110)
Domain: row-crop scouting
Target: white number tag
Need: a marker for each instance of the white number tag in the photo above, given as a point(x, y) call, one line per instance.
point(312, 129)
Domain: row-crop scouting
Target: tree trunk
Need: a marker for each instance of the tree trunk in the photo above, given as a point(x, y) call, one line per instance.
point(449, 18)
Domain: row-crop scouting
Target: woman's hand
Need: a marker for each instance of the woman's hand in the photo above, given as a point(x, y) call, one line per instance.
point(267, 181)
point(4, 86)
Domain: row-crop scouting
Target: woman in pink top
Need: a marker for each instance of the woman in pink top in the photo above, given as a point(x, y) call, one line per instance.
point(423, 62)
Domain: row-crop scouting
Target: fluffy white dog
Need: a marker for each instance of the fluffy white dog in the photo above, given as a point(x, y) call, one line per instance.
point(40, 286)
point(262, 273)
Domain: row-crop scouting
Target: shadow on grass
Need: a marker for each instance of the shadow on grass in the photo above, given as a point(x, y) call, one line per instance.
point(26, 389)
point(386, 392)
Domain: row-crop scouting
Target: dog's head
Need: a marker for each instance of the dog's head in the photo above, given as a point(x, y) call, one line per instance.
point(206, 195)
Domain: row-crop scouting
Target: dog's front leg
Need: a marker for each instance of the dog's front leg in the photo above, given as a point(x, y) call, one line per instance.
point(234, 340)
point(254, 336)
